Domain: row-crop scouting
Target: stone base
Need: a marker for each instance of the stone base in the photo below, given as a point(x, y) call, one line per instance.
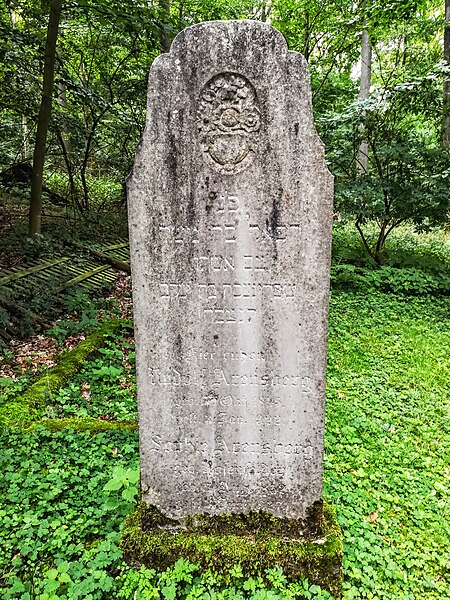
point(310, 547)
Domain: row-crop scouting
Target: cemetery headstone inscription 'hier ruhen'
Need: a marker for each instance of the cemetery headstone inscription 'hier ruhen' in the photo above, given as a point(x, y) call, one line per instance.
point(230, 224)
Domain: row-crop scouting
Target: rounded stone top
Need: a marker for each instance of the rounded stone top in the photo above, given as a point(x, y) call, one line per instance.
point(237, 27)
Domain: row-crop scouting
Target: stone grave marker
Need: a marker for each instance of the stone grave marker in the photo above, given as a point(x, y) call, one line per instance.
point(230, 210)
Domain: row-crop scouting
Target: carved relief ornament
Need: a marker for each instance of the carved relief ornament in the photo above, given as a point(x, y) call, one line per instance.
point(228, 120)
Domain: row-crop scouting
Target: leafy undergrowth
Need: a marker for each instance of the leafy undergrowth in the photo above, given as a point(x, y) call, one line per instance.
point(60, 528)
point(105, 387)
point(387, 439)
point(184, 581)
point(387, 470)
point(428, 252)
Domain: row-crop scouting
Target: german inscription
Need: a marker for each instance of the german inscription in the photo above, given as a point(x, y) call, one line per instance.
point(230, 206)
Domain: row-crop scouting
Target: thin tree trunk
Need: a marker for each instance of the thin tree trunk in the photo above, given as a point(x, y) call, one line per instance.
point(180, 14)
point(364, 90)
point(265, 11)
point(62, 100)
point(24, 151)
point(380, 244)
point(445, 134)
point(68, 162)
point(306, 36)
point(165, 14)
point(34, 225)
point(24, 148)
point(64, 140)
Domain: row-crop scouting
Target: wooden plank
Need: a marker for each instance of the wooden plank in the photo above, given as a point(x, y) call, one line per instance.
point(115, 246)
point(82, 277)
point(116, 263)
point(123, 254)
point(38, 267)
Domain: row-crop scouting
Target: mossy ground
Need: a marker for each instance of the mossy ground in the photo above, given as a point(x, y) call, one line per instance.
point(87, 424)
point(309, 548)
point(24, 411)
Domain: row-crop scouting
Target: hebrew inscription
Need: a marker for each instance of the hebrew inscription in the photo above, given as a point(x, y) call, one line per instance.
point(230, 208)
point(228, 120)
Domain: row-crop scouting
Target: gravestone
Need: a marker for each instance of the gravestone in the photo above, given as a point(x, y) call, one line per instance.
point(230, 209)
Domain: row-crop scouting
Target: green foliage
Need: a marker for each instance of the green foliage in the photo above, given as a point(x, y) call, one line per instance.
point(104, 387)
point(88, 321)
point(327, 35)
point(105, 50)
point(10, 388)
point(122, 490)
point(105, 193)
point(408, 177)
point(386, 470)
point(86, 316)
point(417, 265)
point(58, 536)
point(390, 279)
point(20, 410)
point(186, 581)
point(429, 253)
point(405, 248)
point(83, 424)
point(387, 426)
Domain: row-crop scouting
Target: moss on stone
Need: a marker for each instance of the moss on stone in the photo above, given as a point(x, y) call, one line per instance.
point(90, 424)
point(257, 541)
point(20, 411)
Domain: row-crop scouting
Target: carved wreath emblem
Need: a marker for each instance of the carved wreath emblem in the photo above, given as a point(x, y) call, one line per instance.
point(228, 119)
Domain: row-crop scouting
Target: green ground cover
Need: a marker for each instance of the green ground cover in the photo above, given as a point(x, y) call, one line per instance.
point(387, 470)
point(387, 437)
point(105, 387)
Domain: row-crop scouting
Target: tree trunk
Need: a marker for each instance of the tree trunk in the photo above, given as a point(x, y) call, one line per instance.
point(24, 150)
point(445, 134)
point(62, 100)
point(364, 90)
point(165, 14)
point(34, 224)
point(306, 36)
point(265, 11)
point(15, 18)
point(64, 140)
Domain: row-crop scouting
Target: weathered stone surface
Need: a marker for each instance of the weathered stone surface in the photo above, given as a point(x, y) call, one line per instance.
point(230, 208)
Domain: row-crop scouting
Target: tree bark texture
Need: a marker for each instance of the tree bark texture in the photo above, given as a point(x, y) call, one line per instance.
point(445, 134)
point(364, 90)
point(34, 224)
